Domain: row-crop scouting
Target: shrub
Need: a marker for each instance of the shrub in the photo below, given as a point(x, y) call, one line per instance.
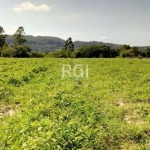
point(140, 57)
point(61, 54)
point(14, 81)
point(7, 52)
point(38, 54)
point(22, 51)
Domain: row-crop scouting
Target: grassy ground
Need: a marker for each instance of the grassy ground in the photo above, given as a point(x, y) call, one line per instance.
point(41, 110)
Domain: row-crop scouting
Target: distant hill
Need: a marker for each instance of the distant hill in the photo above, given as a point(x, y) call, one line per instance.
point(49, 43)
point(79, 44)
point(40, 43)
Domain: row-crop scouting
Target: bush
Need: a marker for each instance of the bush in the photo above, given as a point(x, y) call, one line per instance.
point(76, 54)
point(61, 54)
point(92, 51)
point(38, 54)
point(22, 51)
point(140, 57)
point(124, 54)
point(55, 54)
point(7, 52)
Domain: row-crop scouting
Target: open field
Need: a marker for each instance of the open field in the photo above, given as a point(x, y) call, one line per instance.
point(40, 110)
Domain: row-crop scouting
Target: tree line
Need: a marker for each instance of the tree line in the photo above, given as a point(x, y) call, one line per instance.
point(101, 51)
point(19, 48)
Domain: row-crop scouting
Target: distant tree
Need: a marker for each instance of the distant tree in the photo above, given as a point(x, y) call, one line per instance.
point(7, 51)
point(76, 54)
point(123, 48)
point(55, 54)
point(133, 51)
point(126, 47)
point(124, 54)
point(22, 51)
point(140, 57)
point(127, 51)
point(67, 49)
point(1, 30)
point(2, 37)
point(68, 45)
point(19, 37)
point(38, 54)
point(147, 52)
point(92, 51)
point(113, 53)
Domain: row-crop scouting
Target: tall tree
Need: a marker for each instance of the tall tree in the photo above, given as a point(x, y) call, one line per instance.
point(69, 45)
point(1, 30)
point(21, 49)
point(19, 36)
point(2, 37)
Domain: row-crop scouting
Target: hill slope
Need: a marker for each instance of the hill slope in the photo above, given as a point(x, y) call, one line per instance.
point(41, 43)
point(48, 43)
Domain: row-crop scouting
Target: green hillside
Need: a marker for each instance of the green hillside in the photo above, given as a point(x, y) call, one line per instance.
point(48, 43)
point(40, 43)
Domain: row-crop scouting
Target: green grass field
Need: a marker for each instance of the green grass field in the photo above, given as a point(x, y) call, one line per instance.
point(40, 110)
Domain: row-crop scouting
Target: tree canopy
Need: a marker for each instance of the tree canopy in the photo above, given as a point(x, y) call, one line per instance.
point(2, 37)
point(19, 37)
point(18, 48)
point(69, 45)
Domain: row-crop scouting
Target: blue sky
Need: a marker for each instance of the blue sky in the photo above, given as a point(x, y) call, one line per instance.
point(114, 21)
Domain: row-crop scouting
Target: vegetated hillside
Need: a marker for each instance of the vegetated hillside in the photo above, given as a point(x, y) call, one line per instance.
point(141, 48)
point(109, 110)
point(48, 43)
point(41, 43)
point(79, 44)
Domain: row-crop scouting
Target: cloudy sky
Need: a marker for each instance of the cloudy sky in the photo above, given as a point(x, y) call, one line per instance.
point(114, 21)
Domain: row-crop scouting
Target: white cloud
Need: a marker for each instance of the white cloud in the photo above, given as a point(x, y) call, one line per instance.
point(27, 6)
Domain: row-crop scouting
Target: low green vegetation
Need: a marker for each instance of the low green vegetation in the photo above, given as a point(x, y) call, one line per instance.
point(40, 110)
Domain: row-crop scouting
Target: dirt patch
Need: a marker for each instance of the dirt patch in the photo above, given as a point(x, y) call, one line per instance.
point(7, 111)
point(120, 103)
point(133, 118)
